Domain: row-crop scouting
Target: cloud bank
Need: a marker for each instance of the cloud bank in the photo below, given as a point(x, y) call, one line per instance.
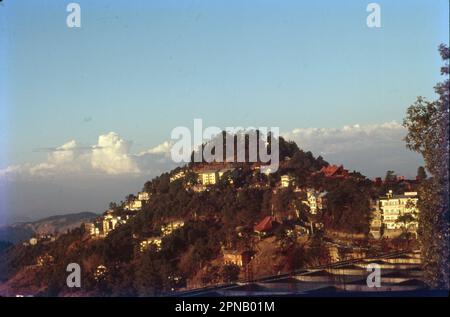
point(370, 149)
point(110, 156)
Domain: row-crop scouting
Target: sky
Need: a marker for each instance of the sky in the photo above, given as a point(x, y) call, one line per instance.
point(86, 113)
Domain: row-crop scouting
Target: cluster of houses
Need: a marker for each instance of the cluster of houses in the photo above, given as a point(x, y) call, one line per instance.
point(109, 221)
point(136, 204)
point(387, 212)
point(212, 173)
point(43, 238)
point(103, 226)
point(44, 259)
point(156, 241)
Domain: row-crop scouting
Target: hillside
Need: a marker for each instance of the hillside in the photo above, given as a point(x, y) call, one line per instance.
point(55, 224)
point(204, 224)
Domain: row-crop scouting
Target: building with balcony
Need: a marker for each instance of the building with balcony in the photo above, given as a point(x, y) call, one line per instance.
point(394, 206)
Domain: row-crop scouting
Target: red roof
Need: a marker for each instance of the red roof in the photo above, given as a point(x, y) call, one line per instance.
point(334, 171)
point(265, 225)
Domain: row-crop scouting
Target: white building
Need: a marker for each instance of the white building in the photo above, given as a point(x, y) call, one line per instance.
point(315, 200)
point(211, 177)
point(92, 228)
point(133, 205)
point(176, 176)
point(143, 196)
point(286, 180)
point(110, 222)
point(393, 206)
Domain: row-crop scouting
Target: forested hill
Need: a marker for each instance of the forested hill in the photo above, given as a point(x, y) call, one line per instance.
point(22, 231)
point(214, 217)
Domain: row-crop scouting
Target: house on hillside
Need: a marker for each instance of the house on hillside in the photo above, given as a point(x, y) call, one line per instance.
point(133, 205)
point(143, 196)
point(94, 228)
point(265, 226)
point(286, 181)
point(109, 222)
point(393, 206)
point(100, 272)
point(212, 176)
point(236, 257)
point(315, 200)
point(334, 171)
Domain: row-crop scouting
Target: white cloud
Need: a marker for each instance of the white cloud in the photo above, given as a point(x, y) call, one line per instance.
point(371, 149)
point(163, 148)
point(110, 156)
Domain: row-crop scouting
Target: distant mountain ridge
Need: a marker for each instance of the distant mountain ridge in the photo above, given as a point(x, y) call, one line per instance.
point(21, 231)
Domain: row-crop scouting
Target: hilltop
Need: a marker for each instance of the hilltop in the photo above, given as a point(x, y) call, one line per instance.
point(209, 223)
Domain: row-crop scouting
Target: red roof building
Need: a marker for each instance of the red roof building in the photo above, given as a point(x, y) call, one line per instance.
point(265, 225)
point(334, 171)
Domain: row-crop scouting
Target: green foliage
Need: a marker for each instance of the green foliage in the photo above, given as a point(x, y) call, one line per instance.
point(428, 133)
point(349, 206)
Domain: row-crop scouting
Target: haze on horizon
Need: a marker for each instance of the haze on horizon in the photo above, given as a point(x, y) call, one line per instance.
point(86, 114)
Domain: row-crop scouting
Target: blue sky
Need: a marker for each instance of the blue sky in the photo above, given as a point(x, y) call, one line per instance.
point(143, 68)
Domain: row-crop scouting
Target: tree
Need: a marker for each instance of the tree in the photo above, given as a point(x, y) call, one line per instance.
point(390, 177)
point(405, 220)
point(421, 174)
point(230, 273)
point(428, 133)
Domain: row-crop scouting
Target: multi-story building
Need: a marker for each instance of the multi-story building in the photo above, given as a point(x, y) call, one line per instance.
point(208, 177)
point(92, 228)
point(286, 180)
point(109, 223)
point(315, 200)
point(143, 196)
point(133, 205)
point(393, 206)
point(212, 176)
